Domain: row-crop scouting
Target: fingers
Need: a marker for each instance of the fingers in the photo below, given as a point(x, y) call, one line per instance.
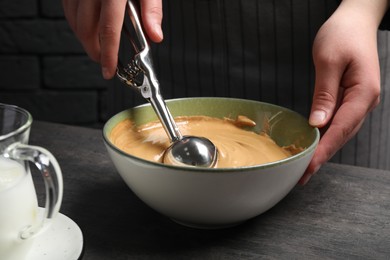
point(325, 99)
point(70, 11)
point(110, 27)
point(326, 90)
point(87, 27)
point(347, 88)
point(356, 103)
point(330, 142)
point(83, 18)
point(98, 25)
point(152, 14)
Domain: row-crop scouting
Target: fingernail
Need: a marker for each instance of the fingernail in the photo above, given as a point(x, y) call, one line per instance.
point(106, 73)
point(157, 29)
point(316, 170)
point(317, 117)
point(306, 179)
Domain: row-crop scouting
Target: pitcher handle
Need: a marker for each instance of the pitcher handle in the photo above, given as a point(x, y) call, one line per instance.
point(52, 176)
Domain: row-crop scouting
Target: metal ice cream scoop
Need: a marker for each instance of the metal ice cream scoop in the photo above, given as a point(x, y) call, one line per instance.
point(139, 74)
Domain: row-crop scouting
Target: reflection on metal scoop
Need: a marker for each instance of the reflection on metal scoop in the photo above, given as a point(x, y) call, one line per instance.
point(191, 150)
point(139, 74)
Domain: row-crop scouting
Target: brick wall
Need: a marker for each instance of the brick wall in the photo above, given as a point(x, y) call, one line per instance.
point(44, 69)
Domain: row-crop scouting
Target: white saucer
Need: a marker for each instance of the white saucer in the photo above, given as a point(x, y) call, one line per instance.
point(63, 240)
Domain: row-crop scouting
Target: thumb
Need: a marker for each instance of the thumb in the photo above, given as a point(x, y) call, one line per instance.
point(326, 94)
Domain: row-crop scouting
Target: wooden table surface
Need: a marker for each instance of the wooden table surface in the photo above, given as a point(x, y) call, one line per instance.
point(342, 213)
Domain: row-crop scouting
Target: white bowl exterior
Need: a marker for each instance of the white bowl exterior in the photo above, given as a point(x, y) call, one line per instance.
point(210, 198)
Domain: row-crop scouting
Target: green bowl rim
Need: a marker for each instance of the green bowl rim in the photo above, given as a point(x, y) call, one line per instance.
point(198, 169)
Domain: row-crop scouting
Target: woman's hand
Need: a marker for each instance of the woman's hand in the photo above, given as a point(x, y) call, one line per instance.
point(98, 24)
point(347, 85)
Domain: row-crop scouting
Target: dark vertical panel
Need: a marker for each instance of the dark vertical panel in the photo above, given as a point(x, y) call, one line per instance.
point(205, 47)
point(162, 60)
point(382, 109)
point(212, 11)
point(267, 50)
point(375, 116)
point(301, 56)
point(362, 144)
point(348, 153)
point(283, 55)
point(175, 61)
point(177, 54)
point(250, 34)
point(259, 56)
point(220, 62)
point(184, 76)
point(234, 48)
point(379, 117)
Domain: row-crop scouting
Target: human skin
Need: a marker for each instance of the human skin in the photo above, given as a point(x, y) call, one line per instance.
point(98, 25)
point(347, 84)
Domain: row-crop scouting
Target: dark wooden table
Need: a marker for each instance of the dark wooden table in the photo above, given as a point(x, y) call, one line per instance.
point(343, 212)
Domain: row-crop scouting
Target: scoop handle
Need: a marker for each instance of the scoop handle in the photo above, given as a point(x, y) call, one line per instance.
point(150, 88)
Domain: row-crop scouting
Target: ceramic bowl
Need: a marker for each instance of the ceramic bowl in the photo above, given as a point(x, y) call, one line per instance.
point(216, 198)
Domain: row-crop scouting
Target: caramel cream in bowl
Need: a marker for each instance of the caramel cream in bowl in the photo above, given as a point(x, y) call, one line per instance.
point(236, 147)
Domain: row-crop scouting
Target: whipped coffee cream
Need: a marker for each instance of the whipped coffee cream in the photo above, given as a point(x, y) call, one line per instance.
point(237, 147)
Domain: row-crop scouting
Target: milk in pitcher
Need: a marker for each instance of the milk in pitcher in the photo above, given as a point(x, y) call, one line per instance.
point(18, 209)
